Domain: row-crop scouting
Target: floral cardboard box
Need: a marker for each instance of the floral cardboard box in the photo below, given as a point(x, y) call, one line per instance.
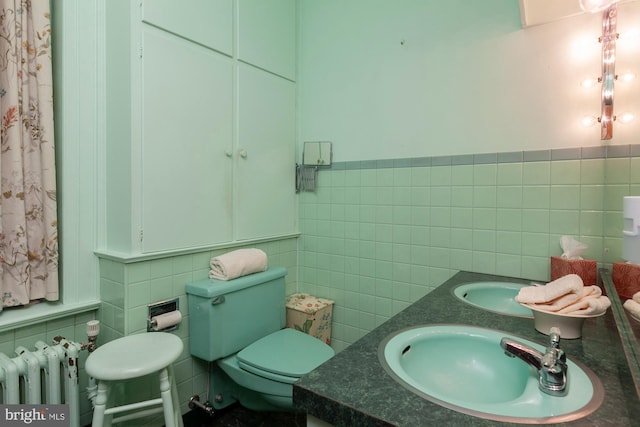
point(587, 269)
point(311, 315)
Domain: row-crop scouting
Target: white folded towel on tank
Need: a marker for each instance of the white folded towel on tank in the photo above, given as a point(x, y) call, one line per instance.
point(570, 287)
point(238, 263)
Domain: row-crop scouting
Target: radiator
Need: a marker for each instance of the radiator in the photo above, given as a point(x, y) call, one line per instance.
point(47, 375)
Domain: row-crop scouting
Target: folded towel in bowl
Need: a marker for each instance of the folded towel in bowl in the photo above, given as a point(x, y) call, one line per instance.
point(238, 263)
point(569, 299)
point(589, 306)
point(633, 308)
point(569, 286)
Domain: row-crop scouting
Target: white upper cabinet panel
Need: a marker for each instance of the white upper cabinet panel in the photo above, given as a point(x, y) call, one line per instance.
point(267, 35)
point(536, 12)
point(187, 133)
point(207, 22)
point(265, 189)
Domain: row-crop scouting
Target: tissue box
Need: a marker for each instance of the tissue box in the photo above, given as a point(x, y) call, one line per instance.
point(311, 315)
point(587, 269)
point(626, 279)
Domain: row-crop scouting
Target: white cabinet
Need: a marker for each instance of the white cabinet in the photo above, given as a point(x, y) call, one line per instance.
point(265, 204)
point(267, 35)
point(207, 22)
point(187, 128)
point(212, 149)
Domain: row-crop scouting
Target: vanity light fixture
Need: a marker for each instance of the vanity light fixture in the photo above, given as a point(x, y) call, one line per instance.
point(608, 39)
point(609, 36)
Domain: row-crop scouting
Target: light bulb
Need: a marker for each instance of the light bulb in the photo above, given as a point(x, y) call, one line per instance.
point(626, 77)
point(626, 118)
point(589, 82)
point(585, 47)
point(588, 121)
point(633, 34)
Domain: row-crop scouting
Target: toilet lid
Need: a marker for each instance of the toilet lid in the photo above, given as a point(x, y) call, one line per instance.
point(287, 352)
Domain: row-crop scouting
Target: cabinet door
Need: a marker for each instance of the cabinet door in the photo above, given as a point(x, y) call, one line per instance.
point(267, 35)
point(207, 22)
point(187, 114)
point(265, 188)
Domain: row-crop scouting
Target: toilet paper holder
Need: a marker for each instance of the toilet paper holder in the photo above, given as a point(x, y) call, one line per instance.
point(159, 308)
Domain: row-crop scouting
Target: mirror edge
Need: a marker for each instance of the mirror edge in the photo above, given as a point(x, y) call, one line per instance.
point(628, 338)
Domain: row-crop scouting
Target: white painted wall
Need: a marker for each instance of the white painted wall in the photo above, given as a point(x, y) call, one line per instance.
point(411, 78)
point(78, 129)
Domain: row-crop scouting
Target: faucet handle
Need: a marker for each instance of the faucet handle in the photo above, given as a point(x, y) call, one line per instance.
point(554, 337)
point(553, 374)
point(554, 357)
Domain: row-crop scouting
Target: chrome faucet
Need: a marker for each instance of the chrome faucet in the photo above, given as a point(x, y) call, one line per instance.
point(551, 366)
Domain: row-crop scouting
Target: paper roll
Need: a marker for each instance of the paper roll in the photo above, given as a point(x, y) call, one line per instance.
point(166, 320)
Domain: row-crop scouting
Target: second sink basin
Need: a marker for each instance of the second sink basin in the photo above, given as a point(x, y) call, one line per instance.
point(493, 296)
point(464, 368)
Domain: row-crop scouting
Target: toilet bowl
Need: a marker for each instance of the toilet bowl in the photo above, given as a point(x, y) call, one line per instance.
point(272, 364)
point(237, 325)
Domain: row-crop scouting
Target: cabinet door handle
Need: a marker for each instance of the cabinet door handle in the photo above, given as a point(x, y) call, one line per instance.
point(228, 153)
point(243, 153)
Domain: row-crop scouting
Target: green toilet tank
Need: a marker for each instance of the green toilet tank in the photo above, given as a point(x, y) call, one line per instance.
point(226, 316)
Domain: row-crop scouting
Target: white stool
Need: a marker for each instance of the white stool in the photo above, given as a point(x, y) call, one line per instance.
point(131, 357)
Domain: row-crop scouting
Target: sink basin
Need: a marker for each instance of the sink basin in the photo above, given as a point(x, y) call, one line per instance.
point(493, 296)
point(464, 368)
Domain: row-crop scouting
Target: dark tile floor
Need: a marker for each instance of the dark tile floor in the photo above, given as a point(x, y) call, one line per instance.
point(238, 416)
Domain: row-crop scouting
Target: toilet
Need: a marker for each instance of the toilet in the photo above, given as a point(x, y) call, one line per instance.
point(237, 326)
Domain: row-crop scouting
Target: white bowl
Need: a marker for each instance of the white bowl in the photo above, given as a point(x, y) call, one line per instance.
point(570, 325)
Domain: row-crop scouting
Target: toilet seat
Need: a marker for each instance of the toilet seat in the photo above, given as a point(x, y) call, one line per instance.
point(284, 356)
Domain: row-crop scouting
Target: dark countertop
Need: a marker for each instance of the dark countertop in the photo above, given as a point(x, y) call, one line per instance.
point(353, 389)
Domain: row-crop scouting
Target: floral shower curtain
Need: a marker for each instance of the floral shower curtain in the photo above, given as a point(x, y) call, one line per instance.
point(28, 218)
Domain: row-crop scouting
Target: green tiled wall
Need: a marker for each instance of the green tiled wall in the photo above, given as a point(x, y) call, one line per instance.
point(127, 288)
point(378, 235)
